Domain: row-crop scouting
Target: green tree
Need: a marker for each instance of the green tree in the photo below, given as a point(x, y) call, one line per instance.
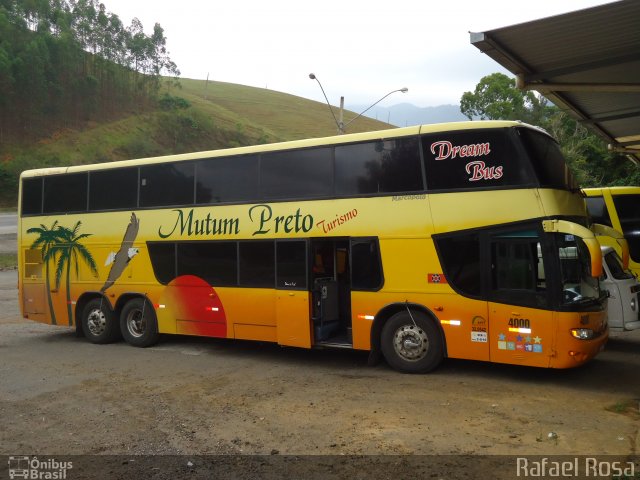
point(31, 68)
point(70, 250)
point(587, 154)
point(6, 88)
point(497, 98)
point(63, 62)
point(47, 239)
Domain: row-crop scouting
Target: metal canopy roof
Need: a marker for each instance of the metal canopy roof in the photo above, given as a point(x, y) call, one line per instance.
point(586, 62)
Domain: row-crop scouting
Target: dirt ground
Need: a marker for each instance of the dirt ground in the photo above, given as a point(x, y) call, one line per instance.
point(60, 395)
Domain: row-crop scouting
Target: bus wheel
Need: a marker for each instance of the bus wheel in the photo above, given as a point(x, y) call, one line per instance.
point(411, 345)
point(138, 323)
point(98, 322)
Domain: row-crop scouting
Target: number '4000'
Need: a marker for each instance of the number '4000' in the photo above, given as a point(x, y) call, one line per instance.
point(519, 323)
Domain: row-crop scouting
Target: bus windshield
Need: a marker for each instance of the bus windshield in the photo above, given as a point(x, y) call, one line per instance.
point(578, 286)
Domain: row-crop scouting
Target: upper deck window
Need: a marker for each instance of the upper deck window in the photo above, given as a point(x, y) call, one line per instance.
point(383, 166)
point(113, 189)
point(65, 193)
point(227, 179)
point(472, 159)
point(460, 160)
point(32, 196)
point(167, 184)
point(547, 160)
point(297, 174)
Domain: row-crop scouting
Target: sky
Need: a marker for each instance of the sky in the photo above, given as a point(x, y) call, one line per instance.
point(359, 49)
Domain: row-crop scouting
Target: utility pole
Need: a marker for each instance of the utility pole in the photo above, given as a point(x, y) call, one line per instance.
point(341, 117)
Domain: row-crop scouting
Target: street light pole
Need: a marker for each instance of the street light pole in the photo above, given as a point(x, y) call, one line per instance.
point(340, 123)
point(403, 90)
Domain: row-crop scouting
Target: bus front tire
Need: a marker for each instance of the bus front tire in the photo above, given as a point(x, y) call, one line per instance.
point(411, 343)
point(98, 322)
point(138, 323)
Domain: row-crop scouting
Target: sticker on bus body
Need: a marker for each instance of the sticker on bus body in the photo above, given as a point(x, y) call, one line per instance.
point(480, 337)
point(436, 278)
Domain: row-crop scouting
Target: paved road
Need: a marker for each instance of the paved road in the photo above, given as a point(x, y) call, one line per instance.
point(8, 223)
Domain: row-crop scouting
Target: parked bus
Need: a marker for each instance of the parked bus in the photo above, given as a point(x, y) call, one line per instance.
point(416, 243)
point(619, 208)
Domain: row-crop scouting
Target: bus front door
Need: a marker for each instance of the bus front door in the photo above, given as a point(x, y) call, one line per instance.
point(331, 292)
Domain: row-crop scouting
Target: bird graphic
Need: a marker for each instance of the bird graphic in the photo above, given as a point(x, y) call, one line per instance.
point(120, 259)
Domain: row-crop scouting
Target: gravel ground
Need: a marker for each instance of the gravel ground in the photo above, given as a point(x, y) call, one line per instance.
point(252, 401)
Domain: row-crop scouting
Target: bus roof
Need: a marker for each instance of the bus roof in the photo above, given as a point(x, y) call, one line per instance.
point(290, 145)
point(623, 190)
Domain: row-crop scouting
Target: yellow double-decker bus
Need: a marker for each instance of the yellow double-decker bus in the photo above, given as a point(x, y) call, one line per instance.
point(618, 208)
point(464, 240)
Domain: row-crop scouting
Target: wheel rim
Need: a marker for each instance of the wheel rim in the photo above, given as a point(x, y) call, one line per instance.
point(411, 343)
point(136, 323)
point(96, 322)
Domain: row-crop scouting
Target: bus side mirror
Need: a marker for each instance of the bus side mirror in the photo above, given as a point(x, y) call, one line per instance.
point(606, 231)
point(596, 256)
point(587, 236)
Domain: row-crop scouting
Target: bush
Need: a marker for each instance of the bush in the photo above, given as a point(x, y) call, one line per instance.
point(184, 129)
point(169, 102)
point(139, 147)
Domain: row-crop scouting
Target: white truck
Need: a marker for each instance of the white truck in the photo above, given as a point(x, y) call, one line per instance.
point(623, 308)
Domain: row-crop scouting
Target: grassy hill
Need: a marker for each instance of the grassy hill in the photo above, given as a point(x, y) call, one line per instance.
point(279, 115)
point(209, 115)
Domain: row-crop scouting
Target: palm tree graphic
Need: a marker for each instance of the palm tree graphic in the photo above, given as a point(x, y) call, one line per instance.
point(69, 250)
point(47, 238)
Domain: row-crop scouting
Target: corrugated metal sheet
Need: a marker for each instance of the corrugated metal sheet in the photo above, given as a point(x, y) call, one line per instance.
point(586, 62)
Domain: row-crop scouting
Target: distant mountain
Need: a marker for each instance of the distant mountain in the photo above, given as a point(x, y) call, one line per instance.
point(405, 114)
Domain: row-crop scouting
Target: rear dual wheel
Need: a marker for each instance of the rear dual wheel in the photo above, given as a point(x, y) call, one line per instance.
point(138, 323)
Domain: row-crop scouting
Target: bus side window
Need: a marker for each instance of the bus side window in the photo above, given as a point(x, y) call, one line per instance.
point(163, 260)
point(598, 211)
point(167, 184)
point(257, 263)
point(366, 267)
point(32, 196)
point(626, 207)
point(513, 266)
point(291, 264)
point(65, 193)
point(517, 269)
point(460, 260)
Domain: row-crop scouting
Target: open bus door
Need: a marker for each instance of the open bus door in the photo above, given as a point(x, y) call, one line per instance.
point(293, 296)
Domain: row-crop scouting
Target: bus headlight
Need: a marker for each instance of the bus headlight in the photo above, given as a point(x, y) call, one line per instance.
point(583, 333)
point(633, 304)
